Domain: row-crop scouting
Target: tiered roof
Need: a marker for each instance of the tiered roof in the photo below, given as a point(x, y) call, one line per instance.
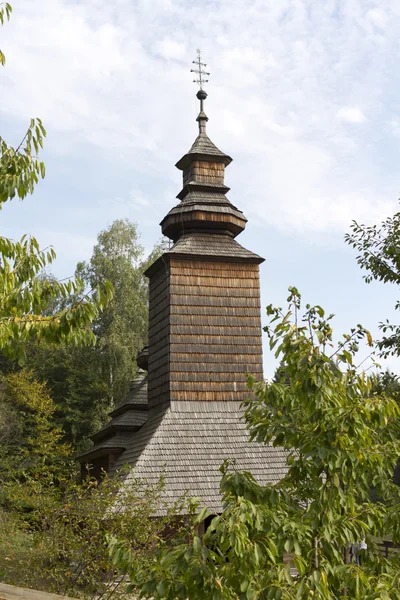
point(204, 206)
point(189, 441)
point(127, 418)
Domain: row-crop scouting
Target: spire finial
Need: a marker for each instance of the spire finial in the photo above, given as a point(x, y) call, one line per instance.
point(201, 94)
point(199, 71)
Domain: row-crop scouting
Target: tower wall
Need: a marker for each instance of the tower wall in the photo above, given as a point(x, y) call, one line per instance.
point(213, 327)
point(204, 172)
point(159, 336)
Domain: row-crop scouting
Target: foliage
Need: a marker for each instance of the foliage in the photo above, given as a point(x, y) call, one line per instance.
point(5, 14)
point(32, 455)
point(122, 327)
point(87, 381)
point(78, 381)
point(379, 255)
point(67, 552)
point(23, 295)
point(387, 383)
point(341, 441)
point(20, 167)
point(15, 546)
point(53, 529)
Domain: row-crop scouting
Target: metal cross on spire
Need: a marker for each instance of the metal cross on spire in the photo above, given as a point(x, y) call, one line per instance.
point(199, 71)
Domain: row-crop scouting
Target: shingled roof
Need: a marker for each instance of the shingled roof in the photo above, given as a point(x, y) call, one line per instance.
point(189, 441)
point(126, 418)
point(203, 145)
point(212, 246)
point(137, 396)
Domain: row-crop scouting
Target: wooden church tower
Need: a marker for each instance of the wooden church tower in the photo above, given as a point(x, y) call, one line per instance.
point(204, 337)
point(204, 328)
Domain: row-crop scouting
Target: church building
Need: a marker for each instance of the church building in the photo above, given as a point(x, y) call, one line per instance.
point(183, 413)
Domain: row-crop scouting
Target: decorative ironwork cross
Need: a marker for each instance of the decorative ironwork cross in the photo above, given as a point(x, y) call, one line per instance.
point(199, 71)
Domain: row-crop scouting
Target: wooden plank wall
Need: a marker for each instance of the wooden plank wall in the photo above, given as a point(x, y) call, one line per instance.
point(204, 172)
point(215, 329)
point(159, 336)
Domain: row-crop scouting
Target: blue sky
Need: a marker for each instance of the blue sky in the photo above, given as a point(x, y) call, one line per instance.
point(303, 94)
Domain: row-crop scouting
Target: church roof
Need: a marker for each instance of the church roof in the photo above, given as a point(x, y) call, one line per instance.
point(127, 418)
point(203, 146)
point(214, 246)
point(210, 246)
point(137, 395)
point(204, 206)
point(189, 441)
point(130, 420)
point(209, 197)
point(116, 443)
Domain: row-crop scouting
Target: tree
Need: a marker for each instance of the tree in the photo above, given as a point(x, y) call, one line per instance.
point(122, 328)
point(341, 441)
point(24, 295)
point(66, 551)
point(33, 458)
point(78, 381)
point(379, 255)
point(32, 453)
point(86, 381)
point(388, 383)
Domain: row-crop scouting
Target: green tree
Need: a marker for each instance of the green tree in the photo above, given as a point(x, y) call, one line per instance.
point(341, 441)
point(33, 456)
point(122, 328)
point(379, 255)
point(78, 380)
point(86, 381)
point(24, 295)
point(66, 551)
point(387, 383)
point(31, 442)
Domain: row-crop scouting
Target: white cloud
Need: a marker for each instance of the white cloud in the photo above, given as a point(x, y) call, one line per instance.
point(286, 80)
point(394, 126)
point(351, 114)
point(378, 17)
point(170, 49)
point(135, 200)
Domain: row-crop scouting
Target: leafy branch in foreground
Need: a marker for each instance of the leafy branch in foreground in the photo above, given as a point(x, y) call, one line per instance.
point(292, 538)
point(20, 167)
point(24, 296)
point(379, 255)
point(5, 14)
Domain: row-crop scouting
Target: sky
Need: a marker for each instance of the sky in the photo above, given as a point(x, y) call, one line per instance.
point(303, 94)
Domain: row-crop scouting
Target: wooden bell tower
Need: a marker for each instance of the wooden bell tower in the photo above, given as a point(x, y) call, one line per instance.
point(204, 323)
